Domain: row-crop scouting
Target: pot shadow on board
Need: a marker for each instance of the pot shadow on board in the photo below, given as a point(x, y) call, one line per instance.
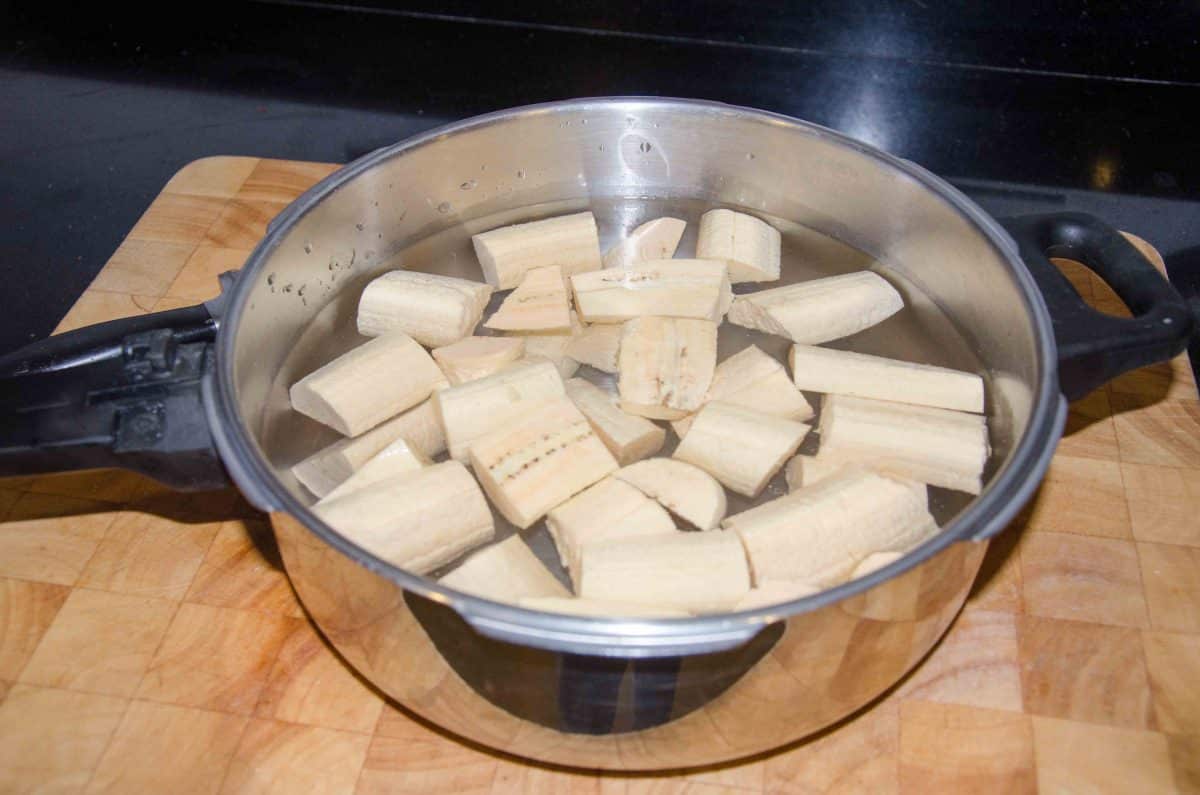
point(67, 494)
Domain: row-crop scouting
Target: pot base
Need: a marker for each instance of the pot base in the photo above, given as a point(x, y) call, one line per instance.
point(794, 678)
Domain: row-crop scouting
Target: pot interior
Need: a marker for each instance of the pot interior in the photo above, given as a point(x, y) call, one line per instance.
point(840, 208)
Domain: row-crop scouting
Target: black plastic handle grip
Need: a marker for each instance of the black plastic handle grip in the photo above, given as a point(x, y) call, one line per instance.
point(125, 393)
point(1094, 348)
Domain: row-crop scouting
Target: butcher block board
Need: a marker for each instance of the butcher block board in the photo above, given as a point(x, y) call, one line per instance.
point(147, 646)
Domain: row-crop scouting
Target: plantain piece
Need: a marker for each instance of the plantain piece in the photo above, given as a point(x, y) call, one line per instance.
point(692, 288)
point(819, 534)
point(629, 438)
point(753, 380)
point(505, 572)
point(539, 459)
point(418, 521)
point(322, 471)
point(540, 303)
point(749, 245)
point(655, 239)
point(805, 470)
point(862, 375)
point(367, 385)
point(474, 409)
point(597, 345)
point(606, 511)
point(419, 426)
point(396, 459)
point(819, 310)
point(565, 365)
point(600, 608)
point(775, 592)
point(694, 572)
point(475, 357)
point(935, 446)
point(434, 310)
point(686, 491)
point(568, 241)
point(741, 448)
point(552, 347)
point(876, 561)
point(666, 365)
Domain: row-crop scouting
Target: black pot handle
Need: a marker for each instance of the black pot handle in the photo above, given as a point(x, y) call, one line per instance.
point(1094, 348)
point(126, 393)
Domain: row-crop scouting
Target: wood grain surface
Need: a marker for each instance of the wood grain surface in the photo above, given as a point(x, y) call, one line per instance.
point(147, 645)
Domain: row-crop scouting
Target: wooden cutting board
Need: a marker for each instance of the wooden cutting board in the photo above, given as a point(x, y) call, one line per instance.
point(146, 645)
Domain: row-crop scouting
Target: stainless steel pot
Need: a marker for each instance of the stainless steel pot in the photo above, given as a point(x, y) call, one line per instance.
point(604, 693)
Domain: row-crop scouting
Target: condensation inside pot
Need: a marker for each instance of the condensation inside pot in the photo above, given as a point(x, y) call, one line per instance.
point(922, 332)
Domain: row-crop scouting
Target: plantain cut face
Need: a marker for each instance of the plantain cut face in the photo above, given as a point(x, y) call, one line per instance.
point(368, 384)
point(740, 447)
point(539, 459)
point(805, 470)
point(596, 345)
point(753, 380)
point(666, 365)
point(748, 245)
point(471, 410)
point(628, 437)
point(419, 520)
point(434, 310)
point(608, 511)
point(472, 358)
point(552, 346)
point(685, 490)
point(540, 303)
point(655, 239)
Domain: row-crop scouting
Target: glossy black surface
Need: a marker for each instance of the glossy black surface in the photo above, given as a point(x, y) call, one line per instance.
point(100, 110)
point(1152, 40)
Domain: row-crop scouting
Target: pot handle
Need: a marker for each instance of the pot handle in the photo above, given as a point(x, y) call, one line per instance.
point(1094, 348)
point(126, 393)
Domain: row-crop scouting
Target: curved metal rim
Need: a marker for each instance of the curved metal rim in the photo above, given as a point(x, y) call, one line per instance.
point(984, 517)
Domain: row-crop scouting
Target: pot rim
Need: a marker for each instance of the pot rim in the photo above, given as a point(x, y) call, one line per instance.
point(985, 516)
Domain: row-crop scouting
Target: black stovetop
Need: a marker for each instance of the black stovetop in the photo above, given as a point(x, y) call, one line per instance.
point(1072, 105)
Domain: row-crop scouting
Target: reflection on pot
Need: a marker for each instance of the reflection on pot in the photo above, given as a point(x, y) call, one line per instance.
point(794, 678)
